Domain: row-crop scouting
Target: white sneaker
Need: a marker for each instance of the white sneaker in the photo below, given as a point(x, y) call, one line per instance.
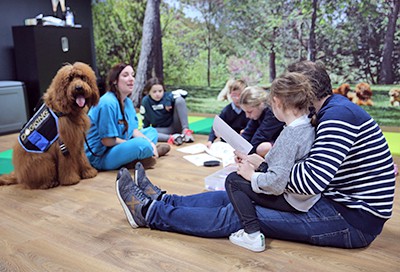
point(241, 238)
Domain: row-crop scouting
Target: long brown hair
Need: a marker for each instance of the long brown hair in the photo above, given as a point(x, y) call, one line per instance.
point(317, 76)
point(295, 90)
point(319, 80)
point(112, 80)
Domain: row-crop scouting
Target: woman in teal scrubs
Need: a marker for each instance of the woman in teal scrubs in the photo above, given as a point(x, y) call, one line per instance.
point(114, 139)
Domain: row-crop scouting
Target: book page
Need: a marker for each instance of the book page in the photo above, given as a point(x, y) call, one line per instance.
point(193, 149)
point(224, 131)
point(199, 159)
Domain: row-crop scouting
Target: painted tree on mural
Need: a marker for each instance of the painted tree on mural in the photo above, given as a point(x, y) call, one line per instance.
point(386, 74)
point(210, 11)
point(357, 40)
point(151, 59)
point(117, 30)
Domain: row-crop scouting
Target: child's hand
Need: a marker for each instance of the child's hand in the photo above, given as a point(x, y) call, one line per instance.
point(255, 160)
point(239, 157)
point(208, 144)
point(168, 108)
point(246, 170)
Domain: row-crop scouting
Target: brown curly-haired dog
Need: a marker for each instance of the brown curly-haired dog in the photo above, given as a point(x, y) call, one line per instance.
point(71, 90)
point(344, 90)
point(363, 95)
point(395, 97)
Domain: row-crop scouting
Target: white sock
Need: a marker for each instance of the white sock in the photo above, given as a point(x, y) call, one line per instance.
point(254, 234)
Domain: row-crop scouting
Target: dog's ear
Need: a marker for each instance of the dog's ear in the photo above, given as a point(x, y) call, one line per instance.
point(59, 82)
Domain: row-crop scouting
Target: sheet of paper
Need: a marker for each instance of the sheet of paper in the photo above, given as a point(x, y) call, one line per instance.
point(223, 151)
point(199, 159)
point(224, 131)
point(193, 149)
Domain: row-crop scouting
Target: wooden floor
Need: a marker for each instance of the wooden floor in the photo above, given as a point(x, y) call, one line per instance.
point(83, 228)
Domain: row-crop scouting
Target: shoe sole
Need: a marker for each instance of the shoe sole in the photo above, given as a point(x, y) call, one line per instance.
point(163, 149)
point(255, 249)
point(126, 209)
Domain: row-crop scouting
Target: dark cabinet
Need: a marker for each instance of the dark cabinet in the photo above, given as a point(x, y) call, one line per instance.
point(41, 50)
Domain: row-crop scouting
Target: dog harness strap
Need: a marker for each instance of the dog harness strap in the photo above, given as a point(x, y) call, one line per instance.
point(40, 132)
point(63, 147)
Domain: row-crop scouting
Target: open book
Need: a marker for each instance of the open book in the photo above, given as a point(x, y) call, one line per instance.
point(216, 181)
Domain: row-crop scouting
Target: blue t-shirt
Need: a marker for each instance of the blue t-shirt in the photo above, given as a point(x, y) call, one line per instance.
point(106, 122)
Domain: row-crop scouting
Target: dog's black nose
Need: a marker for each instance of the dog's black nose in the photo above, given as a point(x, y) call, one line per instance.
point(78, 88)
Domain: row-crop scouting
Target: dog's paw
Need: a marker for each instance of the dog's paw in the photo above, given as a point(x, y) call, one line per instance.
point(89, 173)
point(69, 182)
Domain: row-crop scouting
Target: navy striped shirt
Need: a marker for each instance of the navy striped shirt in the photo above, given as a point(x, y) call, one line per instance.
point(350, 164)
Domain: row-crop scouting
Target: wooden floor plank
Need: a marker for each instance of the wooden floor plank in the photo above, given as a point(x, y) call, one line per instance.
point(83, 228)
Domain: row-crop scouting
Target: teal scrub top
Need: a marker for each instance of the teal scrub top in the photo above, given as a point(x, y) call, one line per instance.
point(106, 122)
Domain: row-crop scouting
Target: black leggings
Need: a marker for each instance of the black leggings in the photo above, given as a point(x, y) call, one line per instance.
point(244, 199)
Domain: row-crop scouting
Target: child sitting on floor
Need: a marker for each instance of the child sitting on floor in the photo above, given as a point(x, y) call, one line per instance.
point(232, 114)
point(290, 99)
point(166, 113)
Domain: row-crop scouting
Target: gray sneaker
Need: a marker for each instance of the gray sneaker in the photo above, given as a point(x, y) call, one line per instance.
point(131, 198)
point(175, 139)
point(187, 135)
point(152, 191)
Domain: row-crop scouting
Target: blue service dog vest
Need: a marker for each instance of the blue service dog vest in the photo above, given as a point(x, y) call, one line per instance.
point(40, 132)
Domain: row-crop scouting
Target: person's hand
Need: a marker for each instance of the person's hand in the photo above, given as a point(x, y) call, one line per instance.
point(255, 160)
point(239, 157)
point(155, 152)
point(168, 108)
point(246, 170)
point(208, 144)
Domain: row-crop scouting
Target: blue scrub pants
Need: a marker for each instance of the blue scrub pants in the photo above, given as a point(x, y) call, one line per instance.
point(134, 149)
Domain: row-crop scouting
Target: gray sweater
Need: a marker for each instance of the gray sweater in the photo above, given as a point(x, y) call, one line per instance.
point(292, 145)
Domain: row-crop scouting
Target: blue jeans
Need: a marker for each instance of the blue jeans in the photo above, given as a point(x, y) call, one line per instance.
point(210, 214)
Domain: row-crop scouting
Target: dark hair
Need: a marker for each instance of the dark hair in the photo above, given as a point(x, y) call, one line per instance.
point(112, 78)
point(316, 74)
point(150, 83)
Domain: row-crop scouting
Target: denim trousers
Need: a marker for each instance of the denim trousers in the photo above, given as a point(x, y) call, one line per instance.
point(210, 214)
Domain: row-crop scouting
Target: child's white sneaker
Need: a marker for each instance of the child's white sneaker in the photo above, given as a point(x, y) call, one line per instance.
point(241, 238)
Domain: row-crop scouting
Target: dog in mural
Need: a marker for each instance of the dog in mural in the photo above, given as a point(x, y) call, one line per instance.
point(394, 95)
point(345, 90)
point(363, 95)
point(50, 148)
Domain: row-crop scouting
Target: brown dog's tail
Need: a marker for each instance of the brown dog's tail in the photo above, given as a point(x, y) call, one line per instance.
point(8, 179)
